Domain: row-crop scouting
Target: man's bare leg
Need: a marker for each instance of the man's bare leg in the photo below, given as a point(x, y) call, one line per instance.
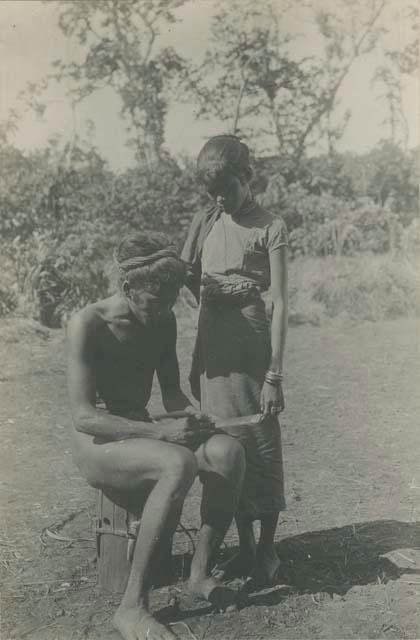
point(161, 511)
point(221, 461)
point(123, 468)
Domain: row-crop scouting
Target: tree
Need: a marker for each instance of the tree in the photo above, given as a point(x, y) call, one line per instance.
point(409, 57)
point(118, 48)
point(390, 75)
point(251, 81)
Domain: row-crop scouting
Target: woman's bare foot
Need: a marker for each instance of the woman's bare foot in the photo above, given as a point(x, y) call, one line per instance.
point(267, 566)
point(241, 565)
point(221, 597)
point(139, 624)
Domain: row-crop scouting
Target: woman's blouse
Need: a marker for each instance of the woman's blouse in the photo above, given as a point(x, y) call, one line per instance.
point(238, 247)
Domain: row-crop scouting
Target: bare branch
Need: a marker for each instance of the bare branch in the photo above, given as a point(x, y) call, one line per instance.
point(329, 100)
point(238, 105)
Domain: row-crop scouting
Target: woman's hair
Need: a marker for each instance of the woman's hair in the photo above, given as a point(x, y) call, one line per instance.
point(221, 157)
point(166, 269)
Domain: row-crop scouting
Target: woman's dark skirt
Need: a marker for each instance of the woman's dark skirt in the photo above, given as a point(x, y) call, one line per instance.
point(231, 355)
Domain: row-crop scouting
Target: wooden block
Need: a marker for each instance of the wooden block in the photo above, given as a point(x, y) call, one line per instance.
point(113, 565)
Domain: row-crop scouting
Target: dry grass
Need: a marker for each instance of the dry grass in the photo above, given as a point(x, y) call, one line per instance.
point(360, 288)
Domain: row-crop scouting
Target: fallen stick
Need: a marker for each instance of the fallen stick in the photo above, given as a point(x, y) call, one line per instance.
point(56, 536)
point(36, 629)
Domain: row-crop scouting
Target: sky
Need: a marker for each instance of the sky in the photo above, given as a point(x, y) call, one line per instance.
point(30, 40)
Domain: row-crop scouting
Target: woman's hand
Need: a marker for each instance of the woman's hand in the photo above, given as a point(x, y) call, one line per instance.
point(272, 400)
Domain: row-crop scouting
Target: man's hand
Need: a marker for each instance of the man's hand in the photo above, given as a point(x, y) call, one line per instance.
point(272, 400)
point(189, 432)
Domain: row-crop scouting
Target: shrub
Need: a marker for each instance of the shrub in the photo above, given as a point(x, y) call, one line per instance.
point(17, 261)
point(72, 273)
point(322, 225)
point(8, 300)
point(61, 210)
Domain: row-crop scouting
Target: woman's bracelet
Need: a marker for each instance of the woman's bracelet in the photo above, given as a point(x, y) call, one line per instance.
point(273, 378)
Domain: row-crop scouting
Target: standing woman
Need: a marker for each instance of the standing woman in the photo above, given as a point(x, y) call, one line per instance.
point(237, 250)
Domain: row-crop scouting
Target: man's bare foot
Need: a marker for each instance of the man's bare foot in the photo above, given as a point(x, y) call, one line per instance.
point(139, 624)
point(241, 565)
point(267, 566)
point(221, 597)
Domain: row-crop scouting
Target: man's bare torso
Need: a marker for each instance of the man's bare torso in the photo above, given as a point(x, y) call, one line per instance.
point(126, 355)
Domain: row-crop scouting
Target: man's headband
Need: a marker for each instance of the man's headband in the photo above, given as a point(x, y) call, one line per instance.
point(142, 261)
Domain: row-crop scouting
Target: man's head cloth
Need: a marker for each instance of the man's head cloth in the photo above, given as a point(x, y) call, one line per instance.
point(149, 260)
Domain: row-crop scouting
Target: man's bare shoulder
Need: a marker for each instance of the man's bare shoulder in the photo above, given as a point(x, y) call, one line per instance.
point(89, 320)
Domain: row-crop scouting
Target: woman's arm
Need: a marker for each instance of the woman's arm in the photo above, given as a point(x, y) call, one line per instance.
point(278, 269)
point(272, 400)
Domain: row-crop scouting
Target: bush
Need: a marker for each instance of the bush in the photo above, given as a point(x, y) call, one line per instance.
point(164, 200)
point(410, 239)
point(73, 273)
point(8, 300)
point(322, 225)
point(48, 279)
point(62, 209)
point(63, 214)
point(44, 192)
point(17, 261)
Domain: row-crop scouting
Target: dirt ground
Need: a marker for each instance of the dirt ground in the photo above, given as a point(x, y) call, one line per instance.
point(349, 539)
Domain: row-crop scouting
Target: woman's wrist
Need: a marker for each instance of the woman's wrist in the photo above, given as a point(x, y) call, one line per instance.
point(274, 378)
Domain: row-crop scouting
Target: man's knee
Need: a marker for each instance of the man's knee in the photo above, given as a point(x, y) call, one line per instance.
point(224, 454)
point(180, 466)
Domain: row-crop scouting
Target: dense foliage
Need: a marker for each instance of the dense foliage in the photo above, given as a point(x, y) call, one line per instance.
point(62, 210)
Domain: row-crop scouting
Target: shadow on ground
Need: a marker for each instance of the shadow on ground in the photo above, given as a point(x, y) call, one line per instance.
point(332, 561)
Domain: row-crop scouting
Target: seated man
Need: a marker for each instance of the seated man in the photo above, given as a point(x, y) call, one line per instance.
point(114, 348)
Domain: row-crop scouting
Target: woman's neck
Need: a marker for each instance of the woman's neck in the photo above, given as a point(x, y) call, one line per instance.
point(247, 203)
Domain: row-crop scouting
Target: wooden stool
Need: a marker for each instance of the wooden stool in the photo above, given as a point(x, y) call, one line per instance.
point(113, 539)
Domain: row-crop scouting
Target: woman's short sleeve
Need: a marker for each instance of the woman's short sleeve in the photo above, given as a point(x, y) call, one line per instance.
point(277, 235)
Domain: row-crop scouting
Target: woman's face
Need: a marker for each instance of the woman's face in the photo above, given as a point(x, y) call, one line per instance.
point(230, 192)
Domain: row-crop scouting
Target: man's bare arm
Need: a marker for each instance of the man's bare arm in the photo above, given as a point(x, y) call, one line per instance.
point(173, 398)
point(81, 381)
